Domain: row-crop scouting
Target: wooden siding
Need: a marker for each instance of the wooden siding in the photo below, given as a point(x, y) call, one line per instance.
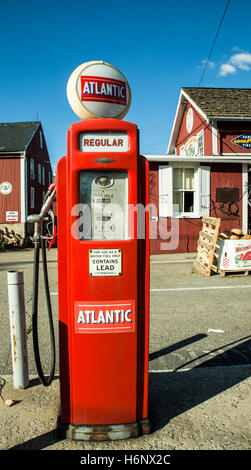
point(226, 176)
point(199, 124)
point(10, 172)
point(40, 156)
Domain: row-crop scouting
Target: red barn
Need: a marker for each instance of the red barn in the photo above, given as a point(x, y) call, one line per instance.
point(25, 174)
point(205, 171)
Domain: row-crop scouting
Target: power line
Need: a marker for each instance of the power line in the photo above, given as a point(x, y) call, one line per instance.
point(210, 53)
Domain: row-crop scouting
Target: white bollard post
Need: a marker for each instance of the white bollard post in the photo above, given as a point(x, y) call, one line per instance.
point(18, 329)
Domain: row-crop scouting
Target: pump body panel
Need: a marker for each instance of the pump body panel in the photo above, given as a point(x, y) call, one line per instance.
point(103, 275)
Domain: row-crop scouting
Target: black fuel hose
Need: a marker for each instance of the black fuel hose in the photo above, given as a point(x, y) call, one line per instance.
point(41, 375)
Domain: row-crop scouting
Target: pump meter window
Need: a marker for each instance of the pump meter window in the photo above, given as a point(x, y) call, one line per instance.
point(104, 201)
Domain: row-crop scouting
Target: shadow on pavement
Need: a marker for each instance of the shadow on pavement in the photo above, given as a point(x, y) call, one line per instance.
point(173, 393)
point(39, 442)
point(174, 347)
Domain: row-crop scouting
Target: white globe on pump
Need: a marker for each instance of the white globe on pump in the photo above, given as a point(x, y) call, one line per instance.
point(97, 89)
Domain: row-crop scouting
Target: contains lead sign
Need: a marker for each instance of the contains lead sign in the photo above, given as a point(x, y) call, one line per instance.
point(105, 262)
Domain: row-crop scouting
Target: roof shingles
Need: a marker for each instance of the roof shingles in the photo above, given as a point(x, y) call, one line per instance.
point(15, 136)
point(222, 102)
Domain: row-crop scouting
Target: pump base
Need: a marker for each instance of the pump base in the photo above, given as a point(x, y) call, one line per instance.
point(103, 432)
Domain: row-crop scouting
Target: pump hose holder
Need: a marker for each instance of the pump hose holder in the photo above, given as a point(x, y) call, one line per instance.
point(39, 239)
point(44, 381)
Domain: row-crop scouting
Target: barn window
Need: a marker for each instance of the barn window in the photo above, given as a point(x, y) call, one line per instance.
point(39, 173)
point(32, 198)
point(43, 175)
point(200, 136)
point(32, 169)
point(184, 191)
point(41, 139)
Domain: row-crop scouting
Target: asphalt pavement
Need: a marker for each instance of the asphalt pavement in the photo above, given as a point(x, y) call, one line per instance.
point(199, 363)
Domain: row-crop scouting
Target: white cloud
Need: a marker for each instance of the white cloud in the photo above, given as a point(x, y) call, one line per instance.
point(225, 69)
point(242, 60)
point(210, 64)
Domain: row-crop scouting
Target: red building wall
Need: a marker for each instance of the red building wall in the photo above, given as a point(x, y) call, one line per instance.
point(222, 176)
point(199, 124)
point(40, 156)
point(226, 175)
point(188, 228)
point(10, 172)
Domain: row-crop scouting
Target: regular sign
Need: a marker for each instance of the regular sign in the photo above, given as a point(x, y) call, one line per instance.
point(103, 142)
point(98, 90)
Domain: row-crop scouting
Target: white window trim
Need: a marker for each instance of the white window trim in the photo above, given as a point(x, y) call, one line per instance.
point(23, 185)
point(201, 133)
point(236, 154)
point(195, 214)
point(201, 191)
point(214, 138)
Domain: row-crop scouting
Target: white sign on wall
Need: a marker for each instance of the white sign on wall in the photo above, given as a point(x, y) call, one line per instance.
point(189, 120)
point(190, 148)
point(5, 187)
point(11, 216)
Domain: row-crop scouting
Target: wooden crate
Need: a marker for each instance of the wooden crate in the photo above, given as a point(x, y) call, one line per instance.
point(233, 273)
point(206, 246)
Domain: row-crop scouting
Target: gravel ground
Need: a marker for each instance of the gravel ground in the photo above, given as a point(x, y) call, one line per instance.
point(197, 409)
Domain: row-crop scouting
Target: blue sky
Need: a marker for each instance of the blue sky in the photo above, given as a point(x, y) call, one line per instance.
point(159, 45)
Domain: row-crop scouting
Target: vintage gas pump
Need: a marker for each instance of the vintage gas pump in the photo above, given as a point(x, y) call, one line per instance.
point(103, 264)
point(103, 281)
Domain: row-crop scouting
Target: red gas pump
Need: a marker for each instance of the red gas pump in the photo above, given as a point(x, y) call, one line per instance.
point(103, 264)
point(103, 280)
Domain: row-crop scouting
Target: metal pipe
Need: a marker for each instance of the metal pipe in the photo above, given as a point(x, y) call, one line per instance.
point(18, 329)
point(32, 219)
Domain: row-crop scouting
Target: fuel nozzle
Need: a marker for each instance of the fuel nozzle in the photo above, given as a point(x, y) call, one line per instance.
point(48, 200)
point(36, 219)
